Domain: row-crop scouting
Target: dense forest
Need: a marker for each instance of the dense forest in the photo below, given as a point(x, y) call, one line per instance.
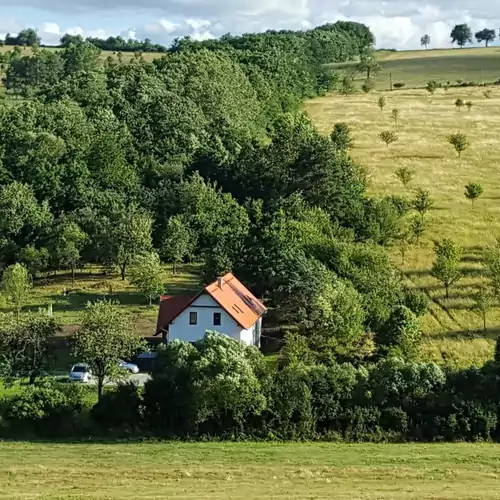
point(205, 155)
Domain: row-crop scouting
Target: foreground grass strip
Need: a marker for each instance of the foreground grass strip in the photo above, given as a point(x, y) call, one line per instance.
point(247, 470)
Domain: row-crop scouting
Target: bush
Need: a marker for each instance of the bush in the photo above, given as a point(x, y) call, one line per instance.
point(45, 410)
point(290, 414)
point(400, 334)
point(119, 409)
point(368, 85)
point(416, 301)
point(399, 85)
point(341, 137)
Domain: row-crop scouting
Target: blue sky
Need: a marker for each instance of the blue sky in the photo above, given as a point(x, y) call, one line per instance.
point(396, 23)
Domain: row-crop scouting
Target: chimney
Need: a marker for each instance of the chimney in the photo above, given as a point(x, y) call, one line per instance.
point(220, 282)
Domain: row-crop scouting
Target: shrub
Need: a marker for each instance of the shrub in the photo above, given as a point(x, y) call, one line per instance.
point(119, 409)
point(388, 137)
point(290, 414)
point(368, 85)
point(432, 86)
point(394, 419)
point(45, 410)
point(399, 85)
point(400, 334)
point(382, 101)
point(459, 141)
point(341, 137)
point(296, 350)
point(416, 301)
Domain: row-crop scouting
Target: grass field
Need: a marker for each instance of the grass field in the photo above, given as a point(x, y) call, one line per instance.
point(69, 300)
point(424, 125)
point(415, 68)
point(244, 470)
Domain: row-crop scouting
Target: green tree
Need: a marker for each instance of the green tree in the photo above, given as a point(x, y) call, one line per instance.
point(422, 202)
point(431, 86)
point(425, 41)
point(418, 227)
point(483, 302)
point(179, 241)
point(473, 191)
point(395, 116)
point(68, 242)
point(16, 285)
point(341, 137)
point(404, 243)
point(105, 338)
point(400, 334)
point(405, 175)
point(122, 234)
point(469, 105)
point(388, 137)
point(491, 264)
point(485, 35)
point(446, 266)
point(338, 317)
point(28, 344)
point(146, 275)
point(459, 141)
point(459, 103)
point(368, 63)
point(347, 85)
point(382, 101)
point(36, 260)
point(461, 34)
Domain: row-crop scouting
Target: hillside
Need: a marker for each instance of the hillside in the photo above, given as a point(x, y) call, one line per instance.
point(451, 325)
point(415, 68)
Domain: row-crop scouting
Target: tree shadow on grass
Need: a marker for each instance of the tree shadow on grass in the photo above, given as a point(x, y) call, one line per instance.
point(491, 333)
point(77, 301)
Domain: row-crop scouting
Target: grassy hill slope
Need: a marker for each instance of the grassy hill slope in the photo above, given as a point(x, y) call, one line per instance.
point(451, 326)
point(417, 67)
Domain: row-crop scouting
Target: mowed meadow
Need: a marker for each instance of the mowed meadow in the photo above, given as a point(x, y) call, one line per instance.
point(452, 329)
point(248, 470)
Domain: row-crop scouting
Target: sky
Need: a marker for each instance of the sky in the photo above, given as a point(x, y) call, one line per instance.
point(396, 24)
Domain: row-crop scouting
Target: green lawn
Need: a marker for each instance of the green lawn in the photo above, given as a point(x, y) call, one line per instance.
point(68, 300)
point(248, 470)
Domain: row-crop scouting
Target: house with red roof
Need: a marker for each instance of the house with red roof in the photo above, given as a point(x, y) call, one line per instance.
point(225, 306)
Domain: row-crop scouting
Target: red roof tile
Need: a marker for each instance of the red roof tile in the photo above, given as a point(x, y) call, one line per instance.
point(236, 300)
point(170, 307)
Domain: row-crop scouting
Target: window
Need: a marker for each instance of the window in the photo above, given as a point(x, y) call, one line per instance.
point(193, 318)
point(217, 319)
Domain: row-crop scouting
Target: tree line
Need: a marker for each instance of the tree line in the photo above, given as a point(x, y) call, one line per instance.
point(217, 388)
point(461, 34)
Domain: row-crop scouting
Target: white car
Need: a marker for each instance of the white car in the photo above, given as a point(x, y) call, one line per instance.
point(130, 367)
point(80, 373)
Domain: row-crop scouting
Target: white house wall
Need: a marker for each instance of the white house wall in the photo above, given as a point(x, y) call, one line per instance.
point(206, 306)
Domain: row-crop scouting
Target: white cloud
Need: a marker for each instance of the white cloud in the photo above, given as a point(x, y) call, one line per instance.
point(396, 23)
